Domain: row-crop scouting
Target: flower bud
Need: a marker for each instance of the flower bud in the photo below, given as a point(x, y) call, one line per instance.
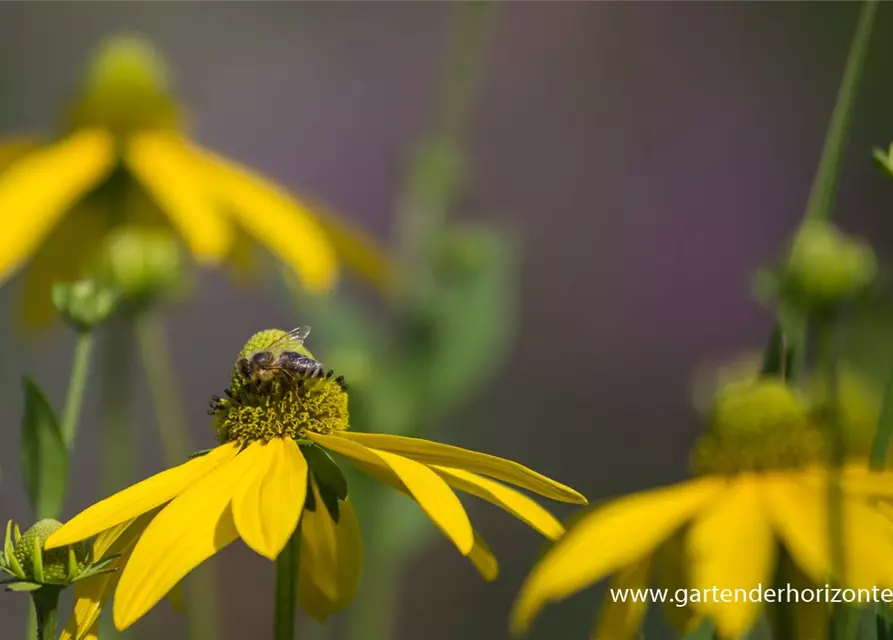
point(757, 408)
point(826, 267)
point(126, 87)
point(144, 263)
point(84, 304)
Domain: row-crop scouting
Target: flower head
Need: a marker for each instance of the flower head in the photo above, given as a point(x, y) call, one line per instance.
point(274, 468)
point(123, 161)
point(762, 485)
point(33, 566)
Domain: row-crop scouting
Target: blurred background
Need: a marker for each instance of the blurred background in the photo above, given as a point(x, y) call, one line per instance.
point(648, 156)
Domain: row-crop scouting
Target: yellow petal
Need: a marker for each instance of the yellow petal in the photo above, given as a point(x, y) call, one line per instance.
point(363, 255)
point(331, 560)
point(608, 538)
point(63, 257)
point(483, 559)
point(267, 505)
point(425, 486)
point(620, 620)
point(140, 498)
point(36, 191)
point(731, 546)
point(91, 594)
point(277, 220)
point(858, 479)
point(449, 456)
point(162, 163)
point(193, 527)
point(15, 148)
point(514, 502)
point(800, 515)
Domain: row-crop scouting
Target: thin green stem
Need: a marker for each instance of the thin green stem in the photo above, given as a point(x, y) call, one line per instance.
point(286, 596)
point(173, 430)
point(463, 68)
point(824, 186)
point(117, 451)
point(46, 610)
point(884, 434)
point(435, 173)
point(80, 368)
point(827, 362)
point(167, 401)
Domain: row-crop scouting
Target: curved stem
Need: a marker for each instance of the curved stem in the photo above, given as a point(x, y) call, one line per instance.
point(286, 595)
point(824, 187)
point(80, 368)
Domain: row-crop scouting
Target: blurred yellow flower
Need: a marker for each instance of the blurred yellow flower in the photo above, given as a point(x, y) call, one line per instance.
point(123, 160)
point(273, 471)
point(762, 484)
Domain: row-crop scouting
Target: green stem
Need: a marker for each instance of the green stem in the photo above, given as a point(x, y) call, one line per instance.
point(827, 362)
point(286, 596)
point(80, 368)
point(167, 401)
point(881, 442)
point(824, 187)
point(435, 173)
point(46, 609)
point(173, 429)
point(117, 449)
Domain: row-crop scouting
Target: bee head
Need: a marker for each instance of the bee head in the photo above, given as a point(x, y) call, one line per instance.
point(262, 359)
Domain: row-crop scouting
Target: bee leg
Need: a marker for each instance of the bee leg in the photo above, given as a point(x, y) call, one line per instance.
point(329, 374)
point(228, 392)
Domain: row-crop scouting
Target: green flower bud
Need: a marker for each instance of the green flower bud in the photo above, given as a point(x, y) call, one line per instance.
point(126, 88)
point(34, 564)
point(33, 567)
point(826, 267)
point(84, 304)
point(143, 263)
point(755, 408)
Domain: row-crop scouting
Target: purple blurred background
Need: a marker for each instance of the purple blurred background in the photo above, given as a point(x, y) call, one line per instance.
point(650, 155)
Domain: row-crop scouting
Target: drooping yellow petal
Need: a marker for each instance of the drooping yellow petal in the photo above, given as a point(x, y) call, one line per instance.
point(276, 219)
point(91, 594)
point(359, 252)
point(14, 149)
point(193, 527)
point(139, 498)
point(331, 560)
point(612, 536)
point(483, 559)
point(36, 191)
point(622, 620)
point(449, 456)
point(516, 503)
point(161, 161)
point(267, 505)
point(64, 256)
point(799, 513)
point(731, 545)
point(426, 487)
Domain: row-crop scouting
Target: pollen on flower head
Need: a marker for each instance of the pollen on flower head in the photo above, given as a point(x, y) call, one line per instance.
point(287, 405)
point(758, 424)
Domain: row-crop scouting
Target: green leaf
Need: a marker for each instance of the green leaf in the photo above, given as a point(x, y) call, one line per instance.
point(23, 586)
point(328, 474)
point(43, 454)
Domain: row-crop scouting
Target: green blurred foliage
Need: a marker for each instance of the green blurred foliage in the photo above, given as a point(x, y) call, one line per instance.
point(44, 457)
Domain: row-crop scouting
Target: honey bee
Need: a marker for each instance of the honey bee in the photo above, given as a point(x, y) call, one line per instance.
point(281, 357)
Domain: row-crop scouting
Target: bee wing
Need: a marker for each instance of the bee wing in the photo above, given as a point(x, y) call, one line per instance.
point(298, 334)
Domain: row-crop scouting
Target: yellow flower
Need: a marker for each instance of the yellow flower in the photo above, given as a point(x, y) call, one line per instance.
point(272, 466)
point(762, 485)
point(123, 161)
